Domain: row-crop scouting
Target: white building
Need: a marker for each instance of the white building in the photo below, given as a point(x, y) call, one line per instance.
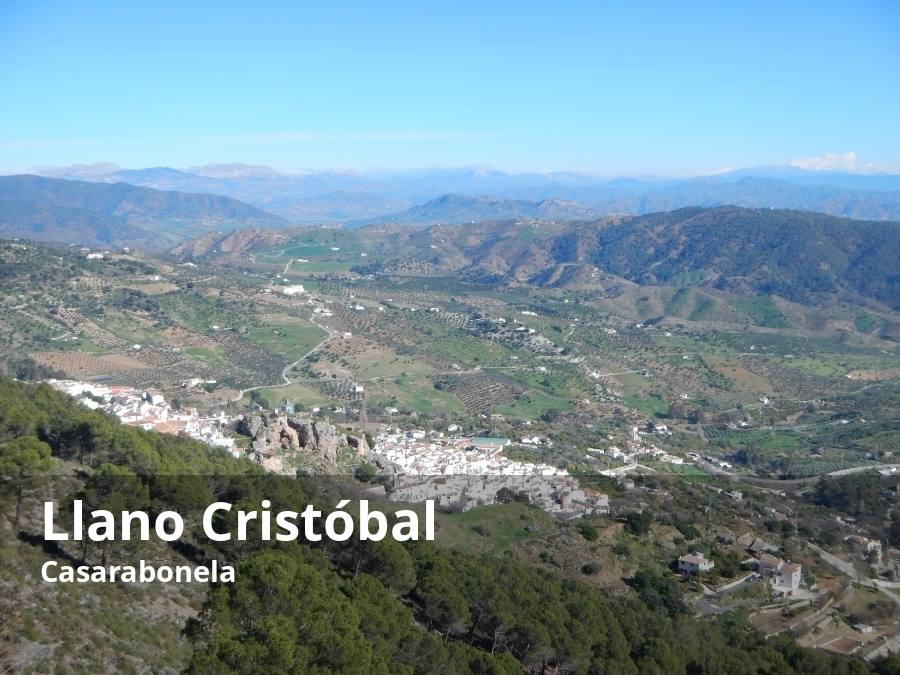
point(601, 506)
point(149, 410)
point(783, 577)
point(296, 289)
point(694, 563)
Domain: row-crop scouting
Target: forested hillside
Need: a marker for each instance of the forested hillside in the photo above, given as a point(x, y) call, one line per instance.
point(373, 608)
point(795, 254)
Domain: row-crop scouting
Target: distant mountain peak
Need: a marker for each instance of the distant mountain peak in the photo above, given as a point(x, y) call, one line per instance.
point(79, 170)
point(234, 171)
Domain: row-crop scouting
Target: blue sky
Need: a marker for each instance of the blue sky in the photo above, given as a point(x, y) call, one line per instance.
point(606, 87)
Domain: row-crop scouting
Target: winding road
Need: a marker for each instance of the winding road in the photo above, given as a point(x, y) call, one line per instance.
point(284, 373)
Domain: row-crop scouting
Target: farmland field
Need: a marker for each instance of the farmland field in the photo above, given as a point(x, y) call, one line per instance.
point(291, 341)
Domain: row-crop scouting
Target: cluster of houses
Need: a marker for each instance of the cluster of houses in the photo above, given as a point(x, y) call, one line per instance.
point(462, 472)
point(148, 410)
point(434, 454)
point(784, 577)
point(634, 452)
point(298, 292)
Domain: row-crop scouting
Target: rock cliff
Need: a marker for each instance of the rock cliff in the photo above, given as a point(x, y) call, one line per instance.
point(274, 435)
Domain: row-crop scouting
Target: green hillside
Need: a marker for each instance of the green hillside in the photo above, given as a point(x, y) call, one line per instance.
point(350, 608)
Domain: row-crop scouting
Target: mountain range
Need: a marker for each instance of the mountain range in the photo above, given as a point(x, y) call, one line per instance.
point(341, 197)
point(802, 256)
point(100, 214)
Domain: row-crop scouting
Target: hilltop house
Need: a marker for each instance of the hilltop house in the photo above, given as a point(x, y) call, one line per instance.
point(755, 545)
point(783, 577)
point(694, 563)
point(872, 547)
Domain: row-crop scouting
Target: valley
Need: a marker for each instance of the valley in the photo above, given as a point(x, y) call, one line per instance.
point(578, 404)
point(473, 332)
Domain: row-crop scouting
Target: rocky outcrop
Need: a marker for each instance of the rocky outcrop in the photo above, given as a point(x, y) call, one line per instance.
point(360, 443)
point(250, 426)
point(275, 435)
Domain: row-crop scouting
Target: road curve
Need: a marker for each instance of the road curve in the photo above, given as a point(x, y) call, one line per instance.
point(286, 380)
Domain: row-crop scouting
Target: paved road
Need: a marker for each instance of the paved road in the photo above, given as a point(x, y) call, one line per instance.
point(842, 565)
point(848, 569)
point(788, 482)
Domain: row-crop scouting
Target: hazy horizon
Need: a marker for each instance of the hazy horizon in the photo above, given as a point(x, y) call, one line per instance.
point(829, 163)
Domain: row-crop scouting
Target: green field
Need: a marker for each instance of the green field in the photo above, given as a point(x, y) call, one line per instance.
point(532, 405)
point(651, 406)
point(197, 311)
point(415, 393)
point(291, 341)
point(306, 250)
point(320, 267)
point(387, 364)
point(468, 351)
point(294, 393)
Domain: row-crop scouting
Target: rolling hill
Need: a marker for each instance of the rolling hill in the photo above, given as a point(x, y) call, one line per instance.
point(236, 241)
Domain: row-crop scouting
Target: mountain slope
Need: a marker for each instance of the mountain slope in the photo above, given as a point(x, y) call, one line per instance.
point(455, 208)
point(46, 222)
point(795, 254)
point(339, 608)
point(237, 241)
point(799, 255)
point(52, 209)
